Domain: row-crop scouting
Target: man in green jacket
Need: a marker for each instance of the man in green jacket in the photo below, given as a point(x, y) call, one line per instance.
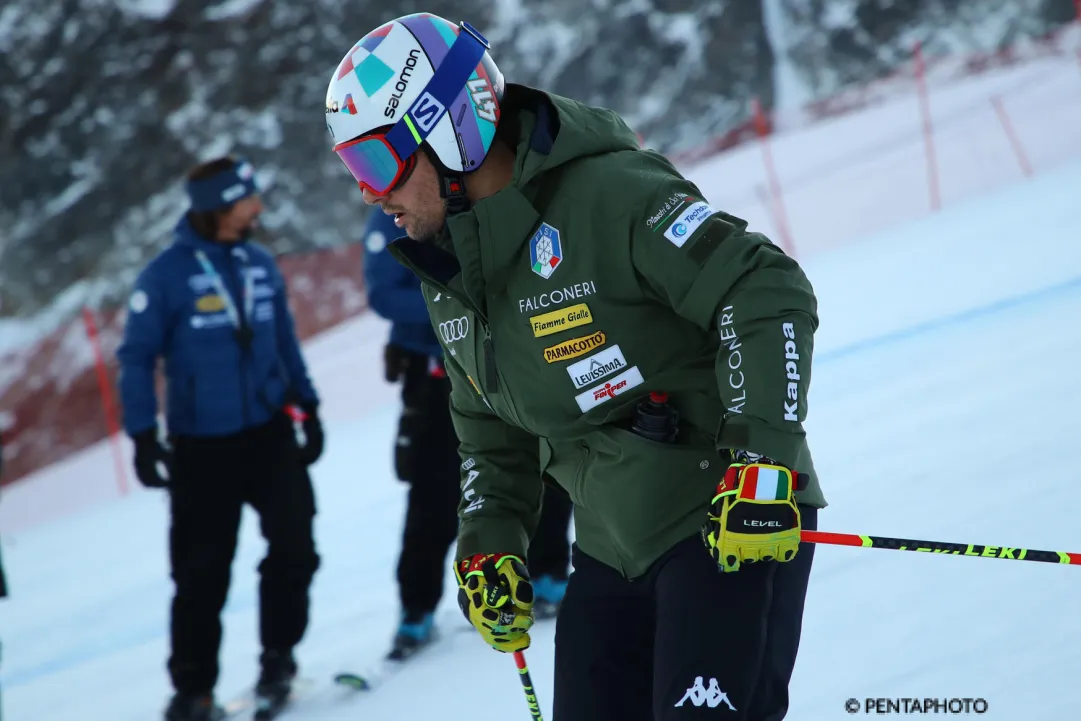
point(603, 324)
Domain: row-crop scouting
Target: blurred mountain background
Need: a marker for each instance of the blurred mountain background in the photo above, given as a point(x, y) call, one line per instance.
point(105, 104)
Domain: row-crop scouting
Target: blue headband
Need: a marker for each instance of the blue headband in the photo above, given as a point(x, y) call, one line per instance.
point(224, 189)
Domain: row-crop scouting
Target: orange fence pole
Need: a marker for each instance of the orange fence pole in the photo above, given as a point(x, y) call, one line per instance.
point(780, 216)
point(1015, 141)
point(108, 406)
point(928, 130)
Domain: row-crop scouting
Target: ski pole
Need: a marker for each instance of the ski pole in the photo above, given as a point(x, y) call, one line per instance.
point(527, 686)
point(954, 549)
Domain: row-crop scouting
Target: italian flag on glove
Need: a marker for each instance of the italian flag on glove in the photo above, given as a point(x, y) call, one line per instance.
point(753, 516)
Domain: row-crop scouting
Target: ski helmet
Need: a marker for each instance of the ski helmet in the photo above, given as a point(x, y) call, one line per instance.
point(416, 81)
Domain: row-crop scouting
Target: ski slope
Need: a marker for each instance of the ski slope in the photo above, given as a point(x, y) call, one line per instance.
point(943, 406)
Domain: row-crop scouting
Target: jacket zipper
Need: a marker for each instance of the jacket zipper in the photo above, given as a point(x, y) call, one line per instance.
point(492, 378)
point(241, 352)
point(491, 369)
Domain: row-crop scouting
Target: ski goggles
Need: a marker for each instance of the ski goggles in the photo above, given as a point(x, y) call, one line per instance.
point(380, 161)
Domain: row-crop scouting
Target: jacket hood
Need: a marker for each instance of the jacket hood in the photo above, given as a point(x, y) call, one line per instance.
point(184, 234)
point(554, 130)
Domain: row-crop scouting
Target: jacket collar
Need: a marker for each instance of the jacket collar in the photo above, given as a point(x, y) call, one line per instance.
point(480, 245)
point(185, 235)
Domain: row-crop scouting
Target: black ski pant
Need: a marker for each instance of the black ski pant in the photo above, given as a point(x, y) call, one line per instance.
point(550, 548)
point(212, 480)
point(426, 457)
point(684, 641)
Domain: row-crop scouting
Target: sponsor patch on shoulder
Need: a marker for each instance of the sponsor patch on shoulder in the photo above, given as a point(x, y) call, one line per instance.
point(687, 222)
point(668, 209)
point(139, 301)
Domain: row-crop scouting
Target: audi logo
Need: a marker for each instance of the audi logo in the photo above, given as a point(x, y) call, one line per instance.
point(453, 330)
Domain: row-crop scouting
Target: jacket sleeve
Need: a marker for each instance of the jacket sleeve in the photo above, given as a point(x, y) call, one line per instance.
point(501, 487)
point(288, 344)
point(737, 284)
point(142, 344)
point(393, 291)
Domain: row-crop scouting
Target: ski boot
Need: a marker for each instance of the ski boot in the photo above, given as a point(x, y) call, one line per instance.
point(547, 596)
point(194, 707)
point(414, 633)
point(275, 683)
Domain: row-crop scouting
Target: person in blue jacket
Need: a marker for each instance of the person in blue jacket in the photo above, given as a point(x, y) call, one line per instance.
point(426, 453)
point(213, 305)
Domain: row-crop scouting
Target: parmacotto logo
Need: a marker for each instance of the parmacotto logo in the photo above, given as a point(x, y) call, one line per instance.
point(574, 347)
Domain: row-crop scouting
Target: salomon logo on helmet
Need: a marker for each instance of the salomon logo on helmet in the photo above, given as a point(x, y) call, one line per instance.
point(403, 83)
point(440, 71)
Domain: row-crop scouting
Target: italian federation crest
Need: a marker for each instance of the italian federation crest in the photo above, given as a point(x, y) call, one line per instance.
point(545, 251)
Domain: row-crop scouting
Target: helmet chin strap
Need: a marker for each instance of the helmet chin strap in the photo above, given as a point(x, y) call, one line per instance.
point(452, 190)
point(451, 184)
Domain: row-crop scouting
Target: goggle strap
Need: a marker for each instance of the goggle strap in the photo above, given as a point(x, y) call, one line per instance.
point(413, 128)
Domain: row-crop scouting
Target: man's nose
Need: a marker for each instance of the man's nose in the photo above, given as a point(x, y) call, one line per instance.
point(370, 198)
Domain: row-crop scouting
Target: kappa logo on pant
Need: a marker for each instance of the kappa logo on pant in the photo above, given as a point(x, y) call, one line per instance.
point(712, 696)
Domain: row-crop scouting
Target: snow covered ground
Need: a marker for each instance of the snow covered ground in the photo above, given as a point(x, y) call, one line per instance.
point(845, 178)
point(943, 406)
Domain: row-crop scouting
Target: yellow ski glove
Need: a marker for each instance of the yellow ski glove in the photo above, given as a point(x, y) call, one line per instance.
point(496, 596)
point(753, 516)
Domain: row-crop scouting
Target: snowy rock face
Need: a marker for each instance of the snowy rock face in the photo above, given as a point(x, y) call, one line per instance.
point(833, 43)
point(104, 104)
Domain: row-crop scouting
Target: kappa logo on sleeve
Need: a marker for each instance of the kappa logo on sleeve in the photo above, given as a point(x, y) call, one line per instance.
point(601, 394)
point(688, 222)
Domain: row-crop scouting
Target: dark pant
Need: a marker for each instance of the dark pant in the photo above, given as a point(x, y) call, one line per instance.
point(212, 480)
point(426, 457)
point(3, 581)
point(550, 548)
point(685, 641)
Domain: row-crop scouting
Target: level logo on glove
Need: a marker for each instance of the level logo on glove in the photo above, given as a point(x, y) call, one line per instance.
point(753, 516)
point(496, 596)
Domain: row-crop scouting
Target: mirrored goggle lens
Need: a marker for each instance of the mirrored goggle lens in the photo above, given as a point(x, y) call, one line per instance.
point(372, 163)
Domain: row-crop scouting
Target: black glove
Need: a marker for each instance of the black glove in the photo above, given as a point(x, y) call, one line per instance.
point(395, 362)
point(149, 452)
point(313, 434)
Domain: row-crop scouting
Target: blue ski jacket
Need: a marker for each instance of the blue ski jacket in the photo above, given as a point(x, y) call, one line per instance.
point(193, 305)
point(394, 290)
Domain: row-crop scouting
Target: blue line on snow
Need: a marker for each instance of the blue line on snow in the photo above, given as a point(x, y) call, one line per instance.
point(966, 316)
point(87, 651)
